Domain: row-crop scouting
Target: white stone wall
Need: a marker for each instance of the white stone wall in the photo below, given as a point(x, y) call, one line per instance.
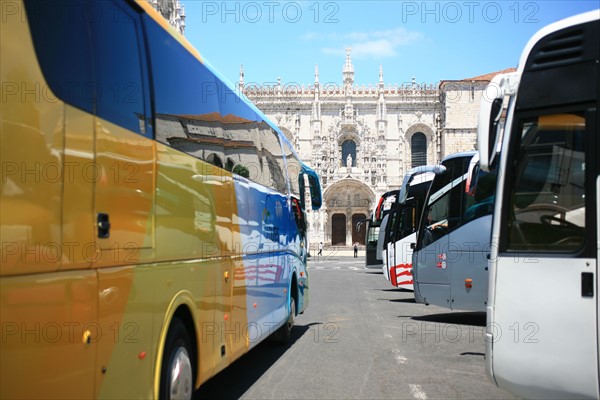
point(460, 107)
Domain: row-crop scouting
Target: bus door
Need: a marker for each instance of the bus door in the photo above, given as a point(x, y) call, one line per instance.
point(124, 161)
point(124, 178)
point(386, 204)
point(371, 238)
point(402, 234)
point(546, 297)
point(469, 246)
point(431, 272)
point(389, 239)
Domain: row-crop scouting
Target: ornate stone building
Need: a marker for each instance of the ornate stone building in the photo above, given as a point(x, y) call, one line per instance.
point(362, 139)
point(173, 11)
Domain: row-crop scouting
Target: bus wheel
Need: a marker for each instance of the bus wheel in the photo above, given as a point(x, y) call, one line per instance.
point(176, 376)
point(284, 334)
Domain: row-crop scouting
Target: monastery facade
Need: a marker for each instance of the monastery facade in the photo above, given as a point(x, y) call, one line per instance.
point(362, 140)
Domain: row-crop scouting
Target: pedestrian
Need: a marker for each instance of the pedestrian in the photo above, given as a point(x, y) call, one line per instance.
point(355, 249)
point(320, 249)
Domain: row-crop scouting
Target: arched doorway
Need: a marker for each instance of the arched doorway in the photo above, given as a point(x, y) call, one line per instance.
point(338, 230)
point(346, 203)
point(359, 235)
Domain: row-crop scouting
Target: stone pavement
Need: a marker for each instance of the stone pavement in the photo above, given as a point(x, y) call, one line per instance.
point(338, 251)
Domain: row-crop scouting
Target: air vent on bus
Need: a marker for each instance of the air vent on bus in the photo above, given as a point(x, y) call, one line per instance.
point(560, 50)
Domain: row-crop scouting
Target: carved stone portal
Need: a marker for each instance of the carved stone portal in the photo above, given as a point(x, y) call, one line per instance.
point(348, 202)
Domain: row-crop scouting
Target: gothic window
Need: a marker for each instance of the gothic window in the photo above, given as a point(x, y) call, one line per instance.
point(418, 149)
point(215, 160)
point(229, 164)
point(348, 149)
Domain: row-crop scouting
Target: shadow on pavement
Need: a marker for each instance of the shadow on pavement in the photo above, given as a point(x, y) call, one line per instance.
point(471, 353)
point(458, 318)
point(397, 290)
point(412, 300)
point(235, 380)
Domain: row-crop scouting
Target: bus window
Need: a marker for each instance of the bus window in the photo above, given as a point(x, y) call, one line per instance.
point(372, 235)
point(479, 199)
point(120, 85)
point(443, 211)
point(547, 210)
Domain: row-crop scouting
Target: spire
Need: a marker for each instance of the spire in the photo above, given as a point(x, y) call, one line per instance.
point(182, 17)
point(348, 67)
point(278, 90)
point(380, 85)
point(316, 109)
point(381, 107)
point(348, 72)
point(241, 81)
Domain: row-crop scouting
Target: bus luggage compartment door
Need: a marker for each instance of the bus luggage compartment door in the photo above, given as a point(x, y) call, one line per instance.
point(430, 273)
point(468, 261)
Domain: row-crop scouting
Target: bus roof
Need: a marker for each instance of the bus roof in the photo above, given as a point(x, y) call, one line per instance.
point(255, 115)
point(563, 23)
point(469, 153)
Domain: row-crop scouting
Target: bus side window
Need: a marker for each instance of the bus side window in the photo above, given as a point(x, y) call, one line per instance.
point(121, 92)
point(407, 223)
point(273, 173)
point(299, 215)
point(480, 198)
point(443, 211)
point(63, 50)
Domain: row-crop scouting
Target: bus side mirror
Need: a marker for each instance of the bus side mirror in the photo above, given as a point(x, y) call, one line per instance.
point(359, 224)
point(423, 169)
point(316, 196)
point(490, 113)
point(315, 192)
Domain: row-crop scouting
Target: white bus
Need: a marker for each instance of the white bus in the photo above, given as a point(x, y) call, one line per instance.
point(453, 241)
point(542, 316)
point(376, 227)
point(401, 229)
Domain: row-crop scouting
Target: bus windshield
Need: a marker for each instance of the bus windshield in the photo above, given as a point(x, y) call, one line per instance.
point(547, 209)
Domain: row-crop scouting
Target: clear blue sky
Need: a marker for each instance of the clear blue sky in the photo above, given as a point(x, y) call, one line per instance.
point(430, 40)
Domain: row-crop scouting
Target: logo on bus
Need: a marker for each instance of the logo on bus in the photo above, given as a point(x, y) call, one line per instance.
point(442, 261)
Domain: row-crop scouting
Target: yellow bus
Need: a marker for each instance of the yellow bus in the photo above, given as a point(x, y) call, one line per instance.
point(153, 224)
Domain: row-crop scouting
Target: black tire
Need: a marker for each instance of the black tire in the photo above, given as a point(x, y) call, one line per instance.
point(177, 357)
point(284, 334)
